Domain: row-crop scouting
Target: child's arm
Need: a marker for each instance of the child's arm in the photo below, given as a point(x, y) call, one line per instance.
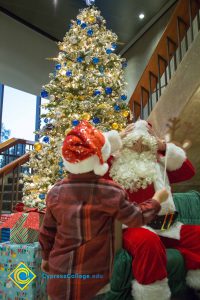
point(128, 213)
point(48, 228)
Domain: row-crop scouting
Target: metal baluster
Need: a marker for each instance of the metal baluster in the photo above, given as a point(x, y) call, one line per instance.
point(2, 193)
point(179, 39)
point(191, 23)
point(159, 83)
point(17, 185)
point(168, 56)
point(141, 105)
point(150, 92)
point(13, 189)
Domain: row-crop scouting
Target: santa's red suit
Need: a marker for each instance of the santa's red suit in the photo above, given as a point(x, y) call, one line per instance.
point(147, 245)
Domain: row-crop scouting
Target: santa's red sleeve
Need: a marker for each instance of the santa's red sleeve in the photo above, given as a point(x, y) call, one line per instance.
point(179, 168)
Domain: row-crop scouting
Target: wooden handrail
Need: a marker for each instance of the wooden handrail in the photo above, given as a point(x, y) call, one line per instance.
point(181, 14)
point(14, 164)
point(12, 142)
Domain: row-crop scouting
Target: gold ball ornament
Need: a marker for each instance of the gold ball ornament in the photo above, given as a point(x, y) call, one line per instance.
point(86, 116)
point(81, 98)
point(102, 106)
point(115, 126)
point(36, 178)
point(125, 113)
point(91, 19)
point(91, 67)
point(37, 146)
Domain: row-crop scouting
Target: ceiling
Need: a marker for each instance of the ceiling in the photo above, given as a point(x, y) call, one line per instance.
point(52, 17)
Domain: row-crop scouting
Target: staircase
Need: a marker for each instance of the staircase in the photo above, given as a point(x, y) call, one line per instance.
point(14, 153)
point(176, 40)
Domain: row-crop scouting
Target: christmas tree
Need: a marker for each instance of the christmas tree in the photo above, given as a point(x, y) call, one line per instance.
point(87, 84)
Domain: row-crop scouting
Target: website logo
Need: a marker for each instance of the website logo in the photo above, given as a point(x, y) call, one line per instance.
point(22, 276)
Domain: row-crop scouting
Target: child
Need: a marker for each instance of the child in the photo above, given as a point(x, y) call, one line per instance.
point(77, 233)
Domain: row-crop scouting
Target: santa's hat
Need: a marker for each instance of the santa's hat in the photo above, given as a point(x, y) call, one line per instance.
point(86, 149)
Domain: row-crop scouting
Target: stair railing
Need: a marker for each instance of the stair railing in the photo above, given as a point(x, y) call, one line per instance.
point(14, 167)
point(169, 52)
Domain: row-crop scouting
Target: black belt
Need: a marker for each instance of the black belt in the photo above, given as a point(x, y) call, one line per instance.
point(163, 222)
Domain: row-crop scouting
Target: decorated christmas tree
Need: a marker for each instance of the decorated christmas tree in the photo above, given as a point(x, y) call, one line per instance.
point(87, 84)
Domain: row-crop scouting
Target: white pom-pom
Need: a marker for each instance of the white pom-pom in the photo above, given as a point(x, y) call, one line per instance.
point(101, 169)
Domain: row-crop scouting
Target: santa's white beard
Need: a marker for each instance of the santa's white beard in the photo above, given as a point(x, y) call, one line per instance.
point(134, 170)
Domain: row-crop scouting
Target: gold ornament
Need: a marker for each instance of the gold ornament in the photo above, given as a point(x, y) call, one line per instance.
point(67, 131)
point(103, 105)
point(121, 127)
point(81, 98)
point(86, 116)
point(36, 178)
point(37, 146)
point(92, 19)
point(125, 113)
point(91, 67)
point(115, 126)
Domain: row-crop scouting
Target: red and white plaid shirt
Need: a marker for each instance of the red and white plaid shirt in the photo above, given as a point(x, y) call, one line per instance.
point(77, 233)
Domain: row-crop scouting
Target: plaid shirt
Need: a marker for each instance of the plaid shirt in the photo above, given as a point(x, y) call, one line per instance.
point(77, 233)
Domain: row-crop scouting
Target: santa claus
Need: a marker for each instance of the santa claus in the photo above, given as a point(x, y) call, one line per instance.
point(140, 169)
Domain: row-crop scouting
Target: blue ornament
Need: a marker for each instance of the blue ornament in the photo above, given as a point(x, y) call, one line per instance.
point(108, 90)
point(70, 26)
point(78, 22)
point(69, 73)
point(79, 59)
point(42, 196)
point(46, 139)
point(96, 120)
point(61, 163)
point(90, 32)
point(58, 66)
point(95, 60)
point(108, 51)
point(44, 94)
point(114, 46)
point(83, 25)
point(124, 64)
point(116, 107)
point(60, 172)
point(46, 120)
point(89, 2)
point(101, 69)
point(123, 97)
point(96, 93)
point(75, 122)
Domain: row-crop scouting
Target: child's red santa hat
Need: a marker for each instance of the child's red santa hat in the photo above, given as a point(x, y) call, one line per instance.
point(86, 149)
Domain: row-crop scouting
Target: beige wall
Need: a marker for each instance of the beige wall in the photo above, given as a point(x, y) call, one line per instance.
point(139, 54)
point(22, 56)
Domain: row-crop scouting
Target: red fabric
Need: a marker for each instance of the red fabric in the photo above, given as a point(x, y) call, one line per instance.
point(149, 256)
point(186, 172)
point(188, 245)
point(148, 252)
point(83, 141)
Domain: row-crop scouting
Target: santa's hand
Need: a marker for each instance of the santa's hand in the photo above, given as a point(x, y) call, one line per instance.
point(161, 195)
point(127, 130)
